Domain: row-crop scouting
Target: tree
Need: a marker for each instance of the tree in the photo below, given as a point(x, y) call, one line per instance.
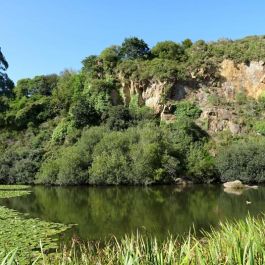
point(168, 50)
point(84, 113)
point(69, 87)
point(3, 61)
point(110, 54)
point(242, 161)
point(93, 66)
point(6, 84)
point(42, 85)
point(134, 48)
point(117, 118)
point(187, 43)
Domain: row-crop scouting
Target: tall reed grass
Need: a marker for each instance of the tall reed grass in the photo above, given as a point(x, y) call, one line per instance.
point(242, 242)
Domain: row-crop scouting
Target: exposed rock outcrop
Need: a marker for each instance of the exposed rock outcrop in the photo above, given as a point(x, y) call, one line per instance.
point(237, 184)
point(152, 93)
point(243, 77)
point(159, 95)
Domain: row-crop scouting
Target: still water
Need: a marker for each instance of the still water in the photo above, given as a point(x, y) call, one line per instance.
point(101, 212)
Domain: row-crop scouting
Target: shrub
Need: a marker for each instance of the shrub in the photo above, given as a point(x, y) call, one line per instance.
point(61, 131)
point(48, 172)
point(19, 165)
point(244, 161)
point(188, 109)
point(69, 165)
point(110, 159)
point(83, 113)
point(259, 127)
point(133, 48)
point(109, 168)
point(72, 167)
point(117, 118)
point(241, 97)
point(200, 164)
point(168, 50)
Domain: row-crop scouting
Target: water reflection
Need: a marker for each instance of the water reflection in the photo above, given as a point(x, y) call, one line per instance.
point(103, 212)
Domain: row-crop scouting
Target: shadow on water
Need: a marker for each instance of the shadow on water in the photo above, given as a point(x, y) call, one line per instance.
point(101, 212)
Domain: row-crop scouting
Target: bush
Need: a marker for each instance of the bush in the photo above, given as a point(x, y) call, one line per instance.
point(72, 166)
point(168, 50)
point(117, 118)
point(259, 127)
point(244, 161)
point(69, 165)
point(83, 113)
point(187, 109)
point(133, 48)
point(200, 164)
point(61, 130)
point(19, 165)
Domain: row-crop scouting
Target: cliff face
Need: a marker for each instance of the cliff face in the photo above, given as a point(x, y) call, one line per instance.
point(152, 93)
point(158, 95)
point(242, 77)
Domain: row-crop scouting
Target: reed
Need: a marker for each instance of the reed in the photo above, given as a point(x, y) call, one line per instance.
point(241, 242)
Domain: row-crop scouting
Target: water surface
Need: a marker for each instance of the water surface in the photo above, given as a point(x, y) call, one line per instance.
point(101, 212)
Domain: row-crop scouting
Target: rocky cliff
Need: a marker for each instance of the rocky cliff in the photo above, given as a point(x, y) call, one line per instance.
point(248, 79)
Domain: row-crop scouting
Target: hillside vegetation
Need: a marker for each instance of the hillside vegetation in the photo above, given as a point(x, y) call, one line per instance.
point(97, 126)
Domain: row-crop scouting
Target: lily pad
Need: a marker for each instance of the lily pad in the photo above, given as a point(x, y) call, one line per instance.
point(28, 235)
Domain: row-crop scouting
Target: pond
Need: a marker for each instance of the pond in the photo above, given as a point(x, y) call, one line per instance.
point(101, 212)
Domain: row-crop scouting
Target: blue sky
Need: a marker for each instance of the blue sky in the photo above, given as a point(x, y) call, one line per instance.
point(48, 36)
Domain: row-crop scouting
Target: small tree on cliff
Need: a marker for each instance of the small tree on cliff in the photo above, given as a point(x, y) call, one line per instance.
point(134, 48)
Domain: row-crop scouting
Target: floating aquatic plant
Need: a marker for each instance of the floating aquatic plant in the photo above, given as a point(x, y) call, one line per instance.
point(14, 187)
point(24, 234)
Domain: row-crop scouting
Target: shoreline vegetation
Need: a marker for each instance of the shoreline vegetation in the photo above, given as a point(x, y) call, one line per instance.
point(94, 127)
point(240, 243)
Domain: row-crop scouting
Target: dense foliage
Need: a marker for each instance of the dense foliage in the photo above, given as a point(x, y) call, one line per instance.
point(243, 161)
point(79, 128)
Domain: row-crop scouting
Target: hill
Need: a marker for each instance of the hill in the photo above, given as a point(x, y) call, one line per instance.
point(135, 115)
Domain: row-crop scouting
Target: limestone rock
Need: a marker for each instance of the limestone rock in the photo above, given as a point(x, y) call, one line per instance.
point(237, 184)
point(182, 182)
point(247, 77)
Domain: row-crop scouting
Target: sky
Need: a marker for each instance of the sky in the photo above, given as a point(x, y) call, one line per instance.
point(48, 36)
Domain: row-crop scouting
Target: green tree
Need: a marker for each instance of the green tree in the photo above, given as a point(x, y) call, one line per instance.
point(110, 160)
point(117, 118)
point(200, 164)
point(244, 161)
point(168, 50)
point(185, 108)
point(93, 67)
point(134, 48)
point(83, 113)
point(69, 88)
point(110, 57)
point(187, 43)
point(6, 84)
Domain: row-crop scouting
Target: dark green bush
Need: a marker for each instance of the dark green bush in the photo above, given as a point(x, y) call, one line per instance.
point(19, 165)
point(244, 161)
point(117, 118)
point(83, 113)
point(187, 109)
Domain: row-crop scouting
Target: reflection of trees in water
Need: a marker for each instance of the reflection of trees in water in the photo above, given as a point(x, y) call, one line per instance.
point(101, 212)
point(235, 206)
